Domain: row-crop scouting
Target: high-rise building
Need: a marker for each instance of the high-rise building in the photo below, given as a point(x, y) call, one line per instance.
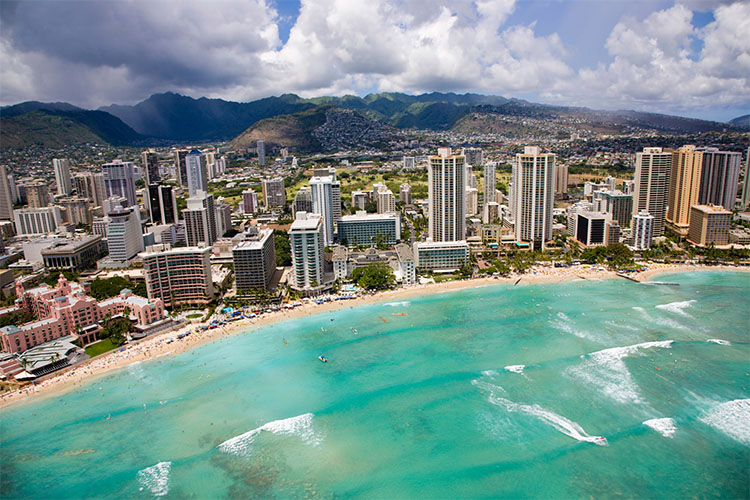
point(360, 199)
point(322, 199)
point(720, 176)
point(590, 228)
point(709, 224)
point(642, 230)
point(490, 183)
point(42, 220)
point(274, 194)
point(618, 205)
point(303, 201)
point(14, 196)
point(611, 182)
point(472, 201)
point(249, 202)
point(62, 176)
point(684, 185)
point(408, 163)
point(6, 198)
point(534, 192)
point(75, 210)
point(386, 201)
point(178, 275)
point(254, 259)
point(162, 204)
point(491, 212)
point(335, 190)
point(628, 187)
point(370, 229)
point(197, 172)
point(261, 148)
point(223, 217)
point(200, 220)
point(307, 242)
point(119, 180)
point(124, 233)
point(471, 179)
point(652, 170)
point(404, 194)
point(37, 194)
point(447, 196)
point(91, 186)
point(180, 166)
point(473, 157)
point(745, 201)
point(150, 162)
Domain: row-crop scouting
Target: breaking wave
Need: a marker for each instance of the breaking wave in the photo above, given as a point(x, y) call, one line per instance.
point(565, 324)
point(607, 371)
point(731, 418)
point(664, 426)
point(515, 368)
point(558, 422)
point(403, 303)
point(155, 478)
point(719, 341)
point(300, 426)
point(677, 307)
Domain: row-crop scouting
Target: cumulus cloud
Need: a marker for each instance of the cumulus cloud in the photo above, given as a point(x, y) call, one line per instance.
point(94, 53)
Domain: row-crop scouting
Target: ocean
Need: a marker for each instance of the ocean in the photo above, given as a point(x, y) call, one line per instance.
point(581, 389)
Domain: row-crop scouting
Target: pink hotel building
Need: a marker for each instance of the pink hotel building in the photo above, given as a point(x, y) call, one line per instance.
point(67, 310)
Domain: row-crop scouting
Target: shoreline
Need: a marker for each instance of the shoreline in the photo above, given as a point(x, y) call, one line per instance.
point(155, 347)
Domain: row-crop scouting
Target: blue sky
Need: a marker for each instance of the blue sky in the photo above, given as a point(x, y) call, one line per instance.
point(690, 58)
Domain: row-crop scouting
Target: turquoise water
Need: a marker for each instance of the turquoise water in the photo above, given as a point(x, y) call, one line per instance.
point(432, 404)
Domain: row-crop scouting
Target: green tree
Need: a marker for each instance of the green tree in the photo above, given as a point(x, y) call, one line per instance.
point(377, 276)
point(283, 248)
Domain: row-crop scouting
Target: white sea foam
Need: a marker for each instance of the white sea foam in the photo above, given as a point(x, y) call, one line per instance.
point(719, 341)
point(637, 308)
point(664, 426)
point(515, 368)
point(565, 324)
point(607, 371)
point(300, 426)
point(155, 478)
point(732, 418)
point(490, 373)
point(677, 307)
point(403, 303)
point(560, 423)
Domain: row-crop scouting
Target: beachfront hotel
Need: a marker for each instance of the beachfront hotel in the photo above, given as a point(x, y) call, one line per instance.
point(709, 224)
point(684, 184)
point(447, 195)
point(67, 310)
point(441, 256)
point(652, 170)
point(370, 229)
point(254, 258)
point(534, 196)
point(307, 240)
point(178, 275)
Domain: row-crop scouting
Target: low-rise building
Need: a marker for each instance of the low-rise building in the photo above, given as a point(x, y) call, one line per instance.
point(442, 256)
point(37, 221)
point(400, 259)
point(74, 255)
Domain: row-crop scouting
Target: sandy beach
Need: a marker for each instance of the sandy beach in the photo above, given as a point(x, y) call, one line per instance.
point(157, 346)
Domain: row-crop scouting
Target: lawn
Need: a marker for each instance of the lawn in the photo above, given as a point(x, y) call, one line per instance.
point(194, 316)
point(100, 347)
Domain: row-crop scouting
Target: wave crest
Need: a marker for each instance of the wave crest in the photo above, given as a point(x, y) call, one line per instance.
point(731, 418)
point(155, 478)
point(300, 426)
point(664, 426)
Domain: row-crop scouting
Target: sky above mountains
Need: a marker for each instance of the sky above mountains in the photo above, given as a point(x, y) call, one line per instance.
point(690, 58)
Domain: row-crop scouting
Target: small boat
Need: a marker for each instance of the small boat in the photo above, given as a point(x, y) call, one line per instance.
point(323, 359)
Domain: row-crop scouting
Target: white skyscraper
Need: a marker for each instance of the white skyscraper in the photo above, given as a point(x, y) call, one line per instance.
point(447, 196)
point(386, 201)
point(652, 170)
point(119, 180)
point(200, 219)
point(6, 201)
point(62, 176)
point(489, 183)
point(306, 239)
point(124, 234)
point(534, 195)
point(472, 201)
point(197, 172)
point(322, 199)
point(643, 225)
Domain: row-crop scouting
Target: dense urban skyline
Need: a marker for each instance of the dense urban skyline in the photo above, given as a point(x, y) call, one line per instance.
point(686, 58)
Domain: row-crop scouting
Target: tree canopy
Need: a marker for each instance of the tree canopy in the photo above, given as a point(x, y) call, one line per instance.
point(283, 248)
point(377, 276)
